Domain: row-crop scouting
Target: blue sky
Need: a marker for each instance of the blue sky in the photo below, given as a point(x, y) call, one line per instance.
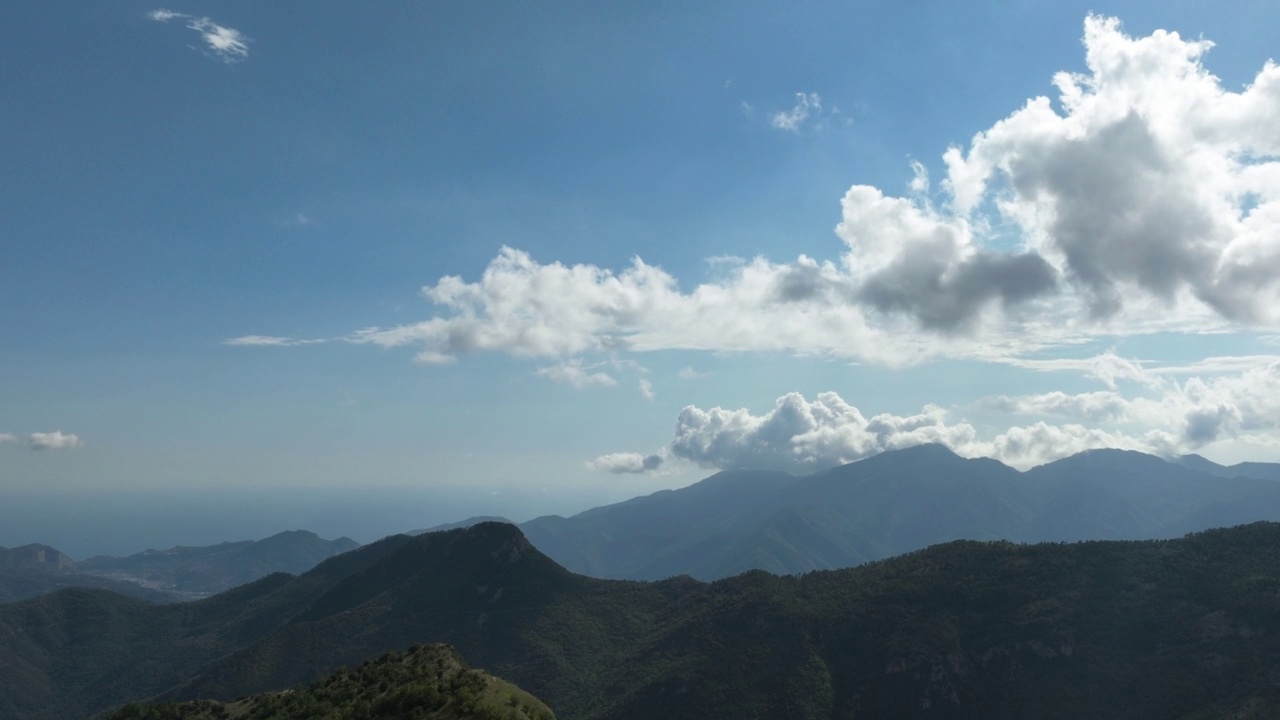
point(229, 231)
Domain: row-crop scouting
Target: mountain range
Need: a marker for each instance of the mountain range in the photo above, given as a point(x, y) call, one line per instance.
point(179, 573)
point(197, 571)
point(897, 502)
point(36, 569)
point(1153, 629)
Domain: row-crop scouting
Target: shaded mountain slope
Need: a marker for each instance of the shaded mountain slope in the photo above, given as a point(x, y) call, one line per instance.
point(74, 652)
point(966, 629)
point(483, 589)
point(693, 530)
point(892, 503)
point(1153, 629)
point(1257, 470)
point(428, 682)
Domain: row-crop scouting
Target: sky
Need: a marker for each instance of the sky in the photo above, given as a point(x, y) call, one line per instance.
point(273, 264)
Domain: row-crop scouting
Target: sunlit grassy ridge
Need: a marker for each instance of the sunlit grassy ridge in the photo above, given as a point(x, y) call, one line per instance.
point(428, 682)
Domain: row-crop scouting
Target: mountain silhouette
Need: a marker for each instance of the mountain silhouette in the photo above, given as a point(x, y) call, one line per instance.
point(897, 502)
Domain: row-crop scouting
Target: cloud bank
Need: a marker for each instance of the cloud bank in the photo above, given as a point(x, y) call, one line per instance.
point(1144, 197)
point(1166, 417)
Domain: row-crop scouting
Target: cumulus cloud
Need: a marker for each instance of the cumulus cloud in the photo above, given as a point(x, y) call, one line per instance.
point(56, 440)
point(915, 261)
point(1154, 182)
point(1144, 198)
point(799, 435)
point(226, 44)
point(1189, 413)
point(646, 389)
point(575, 374)
point(529, 309)
point(625, 463)
point(808, 106)
point(8, 438)
point(1167, 417)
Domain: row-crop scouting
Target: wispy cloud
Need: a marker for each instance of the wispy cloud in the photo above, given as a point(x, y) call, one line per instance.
point(627, 463)
point(1110, 368)
point(688, 373)
point(6, 438)
point(56, 440)
point(577, 375)
point(299, 220)
point(226, 44)
point(268, 341)
point(808, 107)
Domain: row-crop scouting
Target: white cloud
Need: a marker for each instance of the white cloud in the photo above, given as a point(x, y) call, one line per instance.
point(227, 44)
point(575, 374)
point(8, 438)
point(801, 436)
point(1036, 444)
point(1216, 365)
point(1108, 368)
point(267, 341)
point(627, 463)
point(808, 106)
point(688, 373)
point(1168, 417)
point(56, 440)
point(530, 309)
point(1154, 183)
point(919, 184)
point(1187, 414)
point(646, 389)
point(1094, 406)
point(1147, 199)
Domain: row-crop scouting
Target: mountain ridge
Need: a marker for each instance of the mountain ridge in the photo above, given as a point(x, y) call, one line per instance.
point(1172, 628)
point(895, 502)
point(196, 571)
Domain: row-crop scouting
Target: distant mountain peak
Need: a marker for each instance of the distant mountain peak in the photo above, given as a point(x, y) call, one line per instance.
point(914, 455)
point(929, 450)
point(476, 520)
point(35, 555)
point(1113, 457)
point(508, 542)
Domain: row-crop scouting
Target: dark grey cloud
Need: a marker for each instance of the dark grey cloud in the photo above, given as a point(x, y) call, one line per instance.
point(627, 463)
point(948, 295)
point(1122, 215)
